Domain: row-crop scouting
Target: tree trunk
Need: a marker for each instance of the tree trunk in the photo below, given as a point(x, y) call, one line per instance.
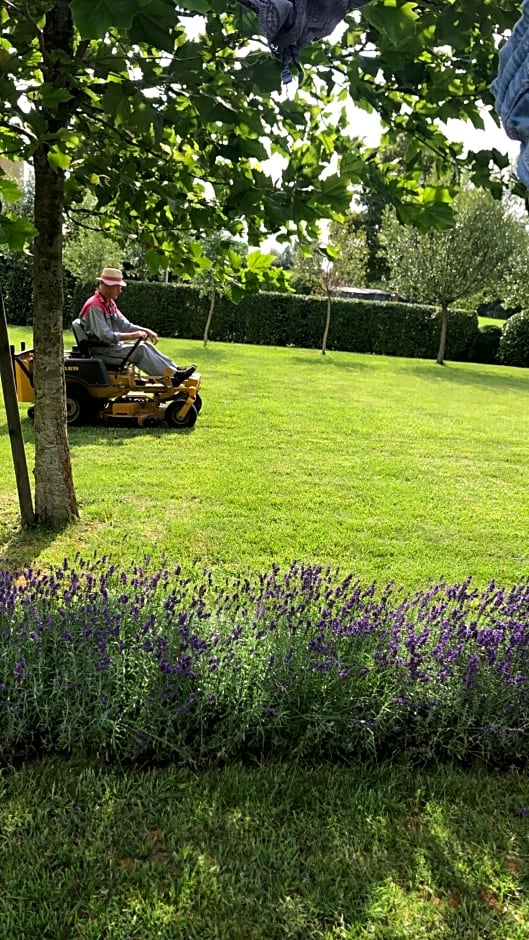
point(210, 316)
point(442, 338)
point(327, 325)
point(55, 503)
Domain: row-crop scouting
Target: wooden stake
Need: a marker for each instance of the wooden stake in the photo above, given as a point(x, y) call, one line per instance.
point(13, 422)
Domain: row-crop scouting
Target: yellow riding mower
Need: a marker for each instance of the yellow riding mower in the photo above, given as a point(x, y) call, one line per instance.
point(122, 395)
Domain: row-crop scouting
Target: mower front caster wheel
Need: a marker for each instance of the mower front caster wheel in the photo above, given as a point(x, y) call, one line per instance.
point(172, 414)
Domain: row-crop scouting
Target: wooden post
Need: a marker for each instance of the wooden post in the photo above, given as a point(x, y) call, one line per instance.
point(13, 422)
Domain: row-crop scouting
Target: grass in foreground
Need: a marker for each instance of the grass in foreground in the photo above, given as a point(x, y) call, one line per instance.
point(278, 851)
point(393, 468)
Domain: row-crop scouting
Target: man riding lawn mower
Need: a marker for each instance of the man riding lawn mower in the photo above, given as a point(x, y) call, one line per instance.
point(101, 378)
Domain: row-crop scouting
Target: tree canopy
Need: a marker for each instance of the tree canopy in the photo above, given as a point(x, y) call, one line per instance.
point(170, 131)
point(167, 128)
point(448, 265)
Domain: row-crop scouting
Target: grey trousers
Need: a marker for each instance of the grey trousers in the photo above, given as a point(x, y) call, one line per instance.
point(145, 356)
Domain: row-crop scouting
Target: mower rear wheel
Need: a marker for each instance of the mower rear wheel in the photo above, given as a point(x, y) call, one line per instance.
point(75, 407)
point(198, 403)
point(172, 414)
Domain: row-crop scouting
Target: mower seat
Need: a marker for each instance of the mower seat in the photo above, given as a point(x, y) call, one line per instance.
point(81, 340)
point(84, 349)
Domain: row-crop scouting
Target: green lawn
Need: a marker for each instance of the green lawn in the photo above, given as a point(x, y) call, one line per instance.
point(492, 321)
point(263, 853)
point(391, 468)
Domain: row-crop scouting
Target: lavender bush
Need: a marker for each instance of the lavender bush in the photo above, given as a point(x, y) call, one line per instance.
point(152, 663)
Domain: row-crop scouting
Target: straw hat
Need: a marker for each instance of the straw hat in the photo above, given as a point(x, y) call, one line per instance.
point(111, 276)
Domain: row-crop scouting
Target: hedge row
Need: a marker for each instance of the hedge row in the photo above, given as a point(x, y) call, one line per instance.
point(17, 289)
point(273, 319)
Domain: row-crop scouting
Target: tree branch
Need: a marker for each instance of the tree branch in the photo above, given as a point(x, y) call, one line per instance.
point(24, 13)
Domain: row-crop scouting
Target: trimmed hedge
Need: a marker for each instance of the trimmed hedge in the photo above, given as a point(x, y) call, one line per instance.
point(17, 289)
point(269, 318)
point(273, 319)
point(16, 278)
point(514, 343)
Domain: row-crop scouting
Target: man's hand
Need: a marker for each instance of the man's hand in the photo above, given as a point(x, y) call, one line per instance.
point(152, 336)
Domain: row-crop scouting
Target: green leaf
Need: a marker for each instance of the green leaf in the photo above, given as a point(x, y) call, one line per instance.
point(57, 159)
point(351, 166)
point(434, 216)
point(253, 148)
point(247, 22)
point(51, 96)
point(330, 252)
point(435, 194)
point(262, 71)
point(335, 190)
point(259, 262)
point(235, 260)
point(9, 189)
point(398, 23)
point(16, 232)
point(154, 25)
point(93, 18)
point(234, 292)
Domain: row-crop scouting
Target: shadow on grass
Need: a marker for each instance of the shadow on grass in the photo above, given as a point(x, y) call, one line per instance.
point(22, 546)
point(263, 853)
point(88, 433)
point(496, 381)
point(314, 358)
point(113, 436)
point(98, 432)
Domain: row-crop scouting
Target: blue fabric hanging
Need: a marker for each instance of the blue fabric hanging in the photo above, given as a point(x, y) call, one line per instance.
point(511, 89)
point(288, 25)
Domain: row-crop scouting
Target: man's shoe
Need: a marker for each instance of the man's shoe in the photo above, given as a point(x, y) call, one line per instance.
point(181, 375)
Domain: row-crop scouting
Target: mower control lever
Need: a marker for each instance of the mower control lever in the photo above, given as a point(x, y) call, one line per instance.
point(129, 354)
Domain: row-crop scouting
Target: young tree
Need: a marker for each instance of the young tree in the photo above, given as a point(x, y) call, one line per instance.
point(324, 268)
point(445, 266)
point(232, 271)
point(306, 269)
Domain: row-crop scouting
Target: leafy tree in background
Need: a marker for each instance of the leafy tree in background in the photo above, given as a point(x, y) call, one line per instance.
point(232, 271)
point(512, 295)
point(372, 202)
point(448, 265)
point(87, 250)
point(322, 269)
point(167, 134)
